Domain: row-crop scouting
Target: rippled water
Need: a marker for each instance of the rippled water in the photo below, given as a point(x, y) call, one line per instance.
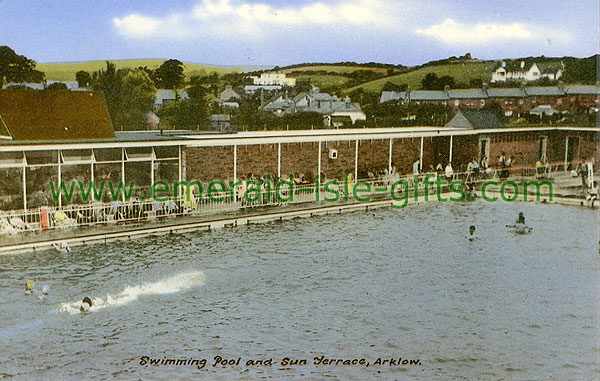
point(381, 284)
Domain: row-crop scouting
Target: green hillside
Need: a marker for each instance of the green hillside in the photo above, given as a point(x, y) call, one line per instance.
point(65, 71)
point(333, 68)
point(462, 72)
point(323, 80)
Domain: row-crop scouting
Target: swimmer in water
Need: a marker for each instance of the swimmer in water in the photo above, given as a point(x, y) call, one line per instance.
point(86, 304)
point(44, 293)
point(63, 248)
point(472, 237)
point(29, 287)
point(520, 226)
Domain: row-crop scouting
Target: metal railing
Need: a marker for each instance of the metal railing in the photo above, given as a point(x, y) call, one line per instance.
point(119, 212)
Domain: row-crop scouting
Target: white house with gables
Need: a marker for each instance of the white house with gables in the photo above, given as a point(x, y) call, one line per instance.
point(270, 79)
point(513, 71)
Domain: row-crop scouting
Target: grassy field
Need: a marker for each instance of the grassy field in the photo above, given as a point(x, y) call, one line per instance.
point(65, 71)
point(462, 72)
point(337, 69)
point(324, 80)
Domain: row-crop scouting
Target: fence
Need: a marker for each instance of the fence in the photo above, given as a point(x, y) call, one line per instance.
point(49, 218)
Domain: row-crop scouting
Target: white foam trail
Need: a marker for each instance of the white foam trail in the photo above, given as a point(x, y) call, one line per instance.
point(175, 283)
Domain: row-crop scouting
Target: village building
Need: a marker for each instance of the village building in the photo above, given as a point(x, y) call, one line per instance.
point(475, 120)
point(522, 71)
point(513, 101)
point(220, 122)
point(165, 96)
point(270, 79)
point(253, 89)
point(229, 94)
point(330, 106)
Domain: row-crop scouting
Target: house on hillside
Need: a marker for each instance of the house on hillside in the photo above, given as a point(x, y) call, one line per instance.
point(521, 71)
point(220, 122)
point(341, 111)
point(229, 94)
point(474, 120)
point(253, 89)
point(270, 79)
point(165, 96)
point(543, 110)
point(330, 106)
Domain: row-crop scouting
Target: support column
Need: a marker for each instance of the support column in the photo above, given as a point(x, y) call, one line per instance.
point(279, 160)
point(152, 168)
point(25, 186)
point(450, 156)
point(59, 179)
point(421, 156)
point(92, 174)
point(390, 156)
point(356, 161)
point(319, 165)
point(566, 152)
point(123, 170)
point(235, 163)
point(179, 170)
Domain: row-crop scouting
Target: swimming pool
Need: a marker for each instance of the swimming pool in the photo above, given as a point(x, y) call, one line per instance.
point(384, 284)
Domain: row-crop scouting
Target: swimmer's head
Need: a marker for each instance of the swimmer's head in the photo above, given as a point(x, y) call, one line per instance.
point(29, 286)
point(471, 229)
point(45, 290)
point(87, 300)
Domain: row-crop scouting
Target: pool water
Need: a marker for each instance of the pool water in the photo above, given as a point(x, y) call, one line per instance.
point(385, 284)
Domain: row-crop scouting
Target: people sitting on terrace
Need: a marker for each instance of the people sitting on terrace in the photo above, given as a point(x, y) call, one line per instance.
point(449, 172)
point(484, 163)
point(439, 168)
point(415, 167)
point(473, 167)
point(502, 160)
point(585, 170)
point(510, 161)
point(592, 194)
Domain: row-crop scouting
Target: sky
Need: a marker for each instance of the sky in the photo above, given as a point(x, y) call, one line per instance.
point(276, 32)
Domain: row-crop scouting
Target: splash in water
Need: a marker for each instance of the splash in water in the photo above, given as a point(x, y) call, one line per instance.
point(175, 283)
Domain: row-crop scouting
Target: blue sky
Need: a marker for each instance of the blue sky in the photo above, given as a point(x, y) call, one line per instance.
point(275, 32)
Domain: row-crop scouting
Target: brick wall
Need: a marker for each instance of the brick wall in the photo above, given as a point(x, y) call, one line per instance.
point(206, 164)
point(337, 168)
point(299, 158)
point(216, 163)
point(258, 159)
point(524, 146)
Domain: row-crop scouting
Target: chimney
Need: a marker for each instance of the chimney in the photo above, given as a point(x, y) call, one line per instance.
point(522, 64)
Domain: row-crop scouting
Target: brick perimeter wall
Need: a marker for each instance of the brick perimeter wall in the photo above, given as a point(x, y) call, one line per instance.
point(216, 163)
point(258, 159)
point(206, 164)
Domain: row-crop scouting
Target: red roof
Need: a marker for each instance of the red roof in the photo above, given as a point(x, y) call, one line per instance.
point(58, 115)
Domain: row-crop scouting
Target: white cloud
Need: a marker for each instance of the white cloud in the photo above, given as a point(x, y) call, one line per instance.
point(255, 21)
point(454, 33)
